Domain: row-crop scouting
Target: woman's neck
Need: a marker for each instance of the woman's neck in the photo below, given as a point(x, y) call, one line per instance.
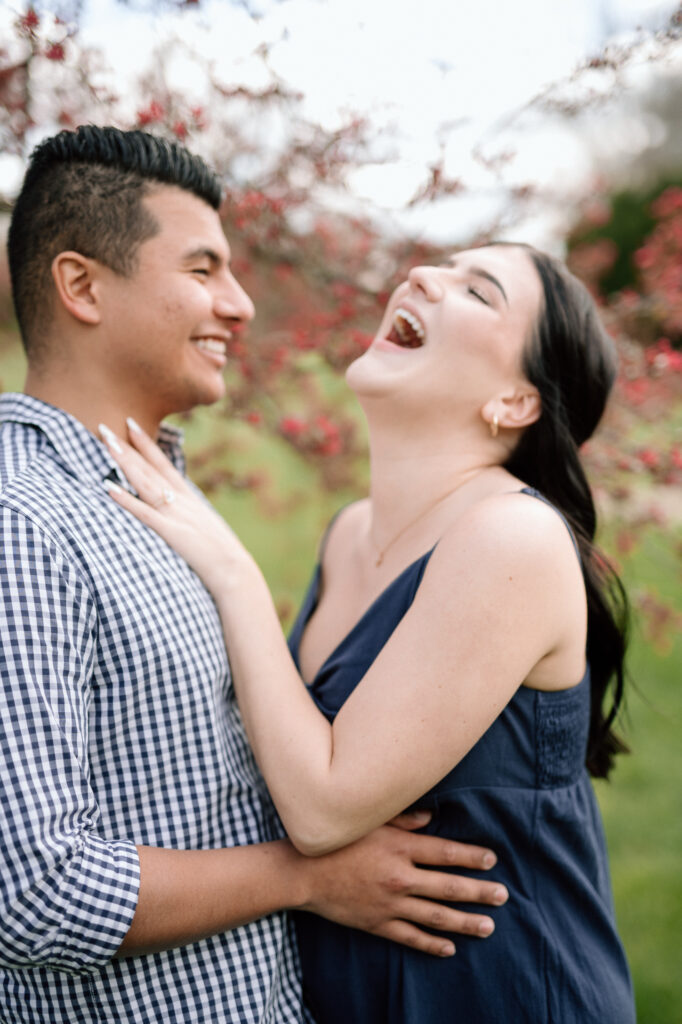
point(414, 484)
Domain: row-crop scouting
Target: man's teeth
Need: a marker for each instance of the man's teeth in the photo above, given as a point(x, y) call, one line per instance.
point(410, 329)
point(211, 345)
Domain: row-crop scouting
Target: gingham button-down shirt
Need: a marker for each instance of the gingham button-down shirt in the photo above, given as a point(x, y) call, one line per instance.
point(118, 727)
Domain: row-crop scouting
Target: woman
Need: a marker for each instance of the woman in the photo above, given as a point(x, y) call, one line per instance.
point(444, 643)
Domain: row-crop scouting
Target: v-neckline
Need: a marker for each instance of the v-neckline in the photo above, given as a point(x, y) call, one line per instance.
point(424, 557)
point(354, 628)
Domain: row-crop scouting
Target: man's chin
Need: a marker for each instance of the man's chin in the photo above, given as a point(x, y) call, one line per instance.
point(212, 395)
point(209, 391)
point(206, 394)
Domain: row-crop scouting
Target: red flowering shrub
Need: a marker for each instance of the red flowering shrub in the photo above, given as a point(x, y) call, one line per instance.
point(659, 261)
point(320, 279)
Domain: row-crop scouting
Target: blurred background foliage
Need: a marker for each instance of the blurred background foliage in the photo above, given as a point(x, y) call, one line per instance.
point(286, 447)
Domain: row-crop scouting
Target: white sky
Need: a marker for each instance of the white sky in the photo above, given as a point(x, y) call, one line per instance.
point(410, 65)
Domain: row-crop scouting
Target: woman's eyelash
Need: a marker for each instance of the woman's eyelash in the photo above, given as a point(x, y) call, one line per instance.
point(200, 270)
point(479, 295)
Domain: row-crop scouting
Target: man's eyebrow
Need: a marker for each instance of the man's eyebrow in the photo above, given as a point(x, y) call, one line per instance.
point(203, 252)
point(480, 272)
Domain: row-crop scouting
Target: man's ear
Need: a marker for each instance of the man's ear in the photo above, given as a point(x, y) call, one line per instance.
point(76, 279)
point(514, 409)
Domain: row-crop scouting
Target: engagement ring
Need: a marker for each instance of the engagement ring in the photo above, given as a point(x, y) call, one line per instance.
point(167, 498)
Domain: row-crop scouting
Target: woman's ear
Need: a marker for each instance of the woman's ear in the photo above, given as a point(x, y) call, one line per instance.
point(76, 280)
point(522, 408)
point(514, 410)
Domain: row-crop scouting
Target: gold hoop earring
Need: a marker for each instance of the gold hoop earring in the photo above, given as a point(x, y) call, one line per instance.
point(494, 426)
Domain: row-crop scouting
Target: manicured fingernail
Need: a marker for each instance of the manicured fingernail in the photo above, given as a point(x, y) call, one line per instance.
point(489, 860)
point(132, 425)
point(500, 895)
point(110, 437)
point(447, 949)
point(486, 927)
point(111, 487)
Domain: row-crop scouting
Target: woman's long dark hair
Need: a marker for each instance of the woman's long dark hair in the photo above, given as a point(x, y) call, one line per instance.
point(571, 360)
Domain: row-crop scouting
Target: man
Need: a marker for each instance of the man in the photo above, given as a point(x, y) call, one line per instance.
point(144, 876)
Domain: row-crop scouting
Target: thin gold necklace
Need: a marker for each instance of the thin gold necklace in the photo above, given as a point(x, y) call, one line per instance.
point(381, 553)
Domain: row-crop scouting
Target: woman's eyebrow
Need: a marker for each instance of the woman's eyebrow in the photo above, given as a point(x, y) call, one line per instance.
point(451, 261)
point(480, 272)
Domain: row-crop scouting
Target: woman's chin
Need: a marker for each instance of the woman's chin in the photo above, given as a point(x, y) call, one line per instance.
point(366, 375)
point(357, 372)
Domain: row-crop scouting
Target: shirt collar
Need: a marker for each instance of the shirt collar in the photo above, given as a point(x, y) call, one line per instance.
point(83, 454)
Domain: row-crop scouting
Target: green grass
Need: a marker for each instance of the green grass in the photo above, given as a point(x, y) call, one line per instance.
point(281, 524)
point(642, 804)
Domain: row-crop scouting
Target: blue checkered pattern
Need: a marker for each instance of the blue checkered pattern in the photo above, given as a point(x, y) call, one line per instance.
point(118, 726)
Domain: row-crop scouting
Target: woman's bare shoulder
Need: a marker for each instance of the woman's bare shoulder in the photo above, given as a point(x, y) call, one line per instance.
point(510, 528)
point(350, 522)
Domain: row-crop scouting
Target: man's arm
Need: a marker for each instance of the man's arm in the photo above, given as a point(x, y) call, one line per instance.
point(376, 884)
point(68, 895)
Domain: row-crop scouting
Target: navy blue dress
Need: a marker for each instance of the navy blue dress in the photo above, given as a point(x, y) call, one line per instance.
point(522, 790)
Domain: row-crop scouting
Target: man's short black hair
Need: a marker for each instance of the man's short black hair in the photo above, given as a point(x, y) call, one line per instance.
point(83, 191)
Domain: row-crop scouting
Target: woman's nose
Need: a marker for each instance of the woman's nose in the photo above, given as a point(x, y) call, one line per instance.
point(427, 281)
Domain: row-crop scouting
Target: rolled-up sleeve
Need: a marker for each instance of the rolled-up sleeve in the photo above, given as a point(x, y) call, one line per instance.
point(67, 894)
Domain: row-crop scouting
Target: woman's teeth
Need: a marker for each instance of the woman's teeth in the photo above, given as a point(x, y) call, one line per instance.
point(210, 345)
point(409, 328)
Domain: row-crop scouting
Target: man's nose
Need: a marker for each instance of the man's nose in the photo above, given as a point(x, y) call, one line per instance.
point(233, 303)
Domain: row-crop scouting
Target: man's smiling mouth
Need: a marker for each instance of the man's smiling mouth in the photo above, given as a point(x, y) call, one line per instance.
point(218, 348)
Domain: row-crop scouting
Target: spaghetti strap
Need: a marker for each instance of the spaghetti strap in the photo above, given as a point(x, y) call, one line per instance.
point(325, 536)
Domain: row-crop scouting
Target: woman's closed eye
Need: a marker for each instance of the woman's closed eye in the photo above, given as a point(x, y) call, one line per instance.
point(473, 290)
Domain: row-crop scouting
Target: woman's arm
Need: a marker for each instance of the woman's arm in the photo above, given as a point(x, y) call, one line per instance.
point(490, 607)
point(487, 611)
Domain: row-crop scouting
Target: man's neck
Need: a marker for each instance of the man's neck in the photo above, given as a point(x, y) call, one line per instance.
point(88, 403)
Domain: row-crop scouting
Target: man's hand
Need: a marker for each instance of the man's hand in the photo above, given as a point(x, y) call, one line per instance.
point(377, 885)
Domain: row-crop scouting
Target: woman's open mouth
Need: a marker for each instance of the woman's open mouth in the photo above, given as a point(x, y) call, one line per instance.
point(407, 330)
